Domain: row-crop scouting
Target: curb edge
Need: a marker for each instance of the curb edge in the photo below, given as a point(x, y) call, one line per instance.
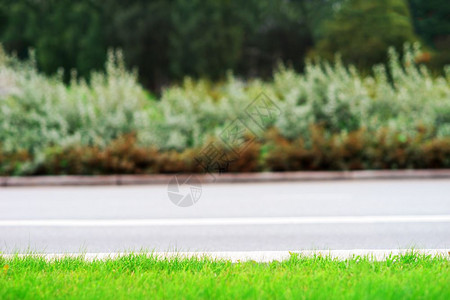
point(77, 180)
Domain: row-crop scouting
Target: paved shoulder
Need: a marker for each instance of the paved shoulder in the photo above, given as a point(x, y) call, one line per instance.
point(229, 217)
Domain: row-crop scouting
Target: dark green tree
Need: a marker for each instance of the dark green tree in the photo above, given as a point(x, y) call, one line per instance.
point(64, 33)
point(281, 32)
point(431, 20)
point(362, 30)
point(206, 37)
point(141, 28)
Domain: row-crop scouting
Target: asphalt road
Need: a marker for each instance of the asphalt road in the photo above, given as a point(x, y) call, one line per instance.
point(228, 217)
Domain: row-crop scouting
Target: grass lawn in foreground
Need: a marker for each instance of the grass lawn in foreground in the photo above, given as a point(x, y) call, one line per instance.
point(410, 276)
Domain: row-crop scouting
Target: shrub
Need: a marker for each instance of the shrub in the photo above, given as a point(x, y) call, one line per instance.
point(330, 117)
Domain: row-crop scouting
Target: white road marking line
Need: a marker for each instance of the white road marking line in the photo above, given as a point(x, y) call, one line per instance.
point(258, 256)
point(227, 221)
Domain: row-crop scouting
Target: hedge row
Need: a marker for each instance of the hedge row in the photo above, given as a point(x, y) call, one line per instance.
point(328, 118)
point(354, 151)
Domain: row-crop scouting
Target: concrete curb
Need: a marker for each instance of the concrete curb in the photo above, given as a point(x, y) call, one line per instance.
point(224, 221)
point(257, 256)
point(74, 180)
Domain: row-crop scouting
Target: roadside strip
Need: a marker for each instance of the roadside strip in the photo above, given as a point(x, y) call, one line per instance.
point(76, 180)
point(226, 221)
point(257, 256)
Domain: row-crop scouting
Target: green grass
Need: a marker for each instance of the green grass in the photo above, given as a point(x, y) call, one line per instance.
point(410, 276)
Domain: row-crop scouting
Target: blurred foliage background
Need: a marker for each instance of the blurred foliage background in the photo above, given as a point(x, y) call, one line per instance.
point(144, 86)
point(169, 39)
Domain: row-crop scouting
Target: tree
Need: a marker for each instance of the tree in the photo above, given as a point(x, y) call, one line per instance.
point(141, 28)
point(431, 19)
point(206, 37)
point(64, 33)
point(362, 30)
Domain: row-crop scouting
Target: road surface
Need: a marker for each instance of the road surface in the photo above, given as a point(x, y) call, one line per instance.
point(228, 217)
